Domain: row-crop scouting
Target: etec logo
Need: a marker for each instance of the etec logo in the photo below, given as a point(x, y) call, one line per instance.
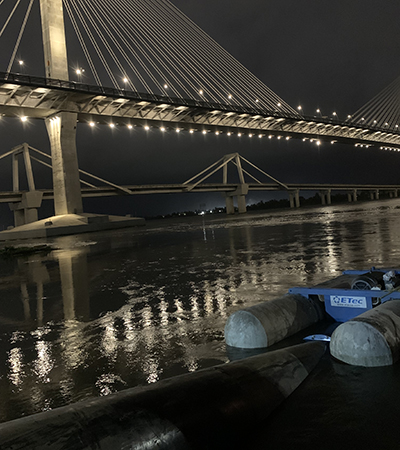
point(348, 302)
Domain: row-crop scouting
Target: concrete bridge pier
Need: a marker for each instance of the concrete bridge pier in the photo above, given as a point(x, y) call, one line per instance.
point(67, 189)
point(294, 199)
point(62, 126)
point(241, 192)
point(325, 197)
point(377, 194)
point(352, 196)
point(26, 211)
point(230, 208)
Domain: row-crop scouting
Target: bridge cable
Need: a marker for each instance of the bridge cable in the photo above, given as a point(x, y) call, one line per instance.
point(198, 47)
point(124, 54)
point(230, 61)
point(83, 45)
point(199, 36)
point(170, 62)
point(95, 45)
point(167, 56)
point(9, 17)
point(141, 47)
point(21, 32)
point(175, 51)
point(171, 43)
point(383, 110)
point(198, 70)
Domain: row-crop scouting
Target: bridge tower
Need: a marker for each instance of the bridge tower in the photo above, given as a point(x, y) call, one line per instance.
point(61, 127)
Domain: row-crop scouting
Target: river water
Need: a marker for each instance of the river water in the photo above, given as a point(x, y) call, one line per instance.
point(107, 311)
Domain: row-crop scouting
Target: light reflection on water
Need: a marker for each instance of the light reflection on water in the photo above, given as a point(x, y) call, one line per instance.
point(109, 311)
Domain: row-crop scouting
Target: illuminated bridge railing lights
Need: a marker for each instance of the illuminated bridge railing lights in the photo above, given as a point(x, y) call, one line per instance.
point(34, 81)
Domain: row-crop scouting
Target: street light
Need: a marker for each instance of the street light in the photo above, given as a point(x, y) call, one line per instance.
point(21, 65)
point(80, 73)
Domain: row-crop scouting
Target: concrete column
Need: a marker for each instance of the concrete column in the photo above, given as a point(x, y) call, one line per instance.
point(377, 194)
point(62, 127)
point(390, 194)
point(230, 209)
point(54, 44)
point(26, 211)
point(354, 195)
point(372, 195)
point(297, 198)
point(328, 197)
point(241, 200)
point(19, 217)
point(291, 199)
point(322, 195)
point(395, 193)
point(66, 184)
point(349, 197)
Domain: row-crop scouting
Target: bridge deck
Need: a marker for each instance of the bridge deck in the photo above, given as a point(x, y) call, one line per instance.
point(23, 95)
point(108, 191)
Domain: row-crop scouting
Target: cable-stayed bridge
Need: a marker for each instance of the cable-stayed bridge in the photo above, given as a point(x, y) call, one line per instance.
point(24, 95)
point(149, 65)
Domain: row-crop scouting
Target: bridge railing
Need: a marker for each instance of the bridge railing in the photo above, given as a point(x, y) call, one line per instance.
point(34, 81)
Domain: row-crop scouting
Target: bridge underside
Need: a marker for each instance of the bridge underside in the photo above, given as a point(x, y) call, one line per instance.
point(22, 95)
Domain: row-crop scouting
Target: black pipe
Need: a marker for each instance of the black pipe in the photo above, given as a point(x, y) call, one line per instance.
point(213, 408)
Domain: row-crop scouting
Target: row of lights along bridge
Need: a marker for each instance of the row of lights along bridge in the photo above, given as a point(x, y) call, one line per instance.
point(230, 133)
point(80, 72)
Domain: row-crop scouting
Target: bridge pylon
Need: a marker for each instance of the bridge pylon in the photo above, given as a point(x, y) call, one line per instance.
point(61, 127)
point(242, 188)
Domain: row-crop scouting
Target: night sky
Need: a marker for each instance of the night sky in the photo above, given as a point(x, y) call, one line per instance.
point(315, 53)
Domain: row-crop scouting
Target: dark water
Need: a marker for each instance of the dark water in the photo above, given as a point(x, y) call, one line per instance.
point(108, 311)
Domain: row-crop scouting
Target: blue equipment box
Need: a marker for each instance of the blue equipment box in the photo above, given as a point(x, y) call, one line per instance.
point(354, 292)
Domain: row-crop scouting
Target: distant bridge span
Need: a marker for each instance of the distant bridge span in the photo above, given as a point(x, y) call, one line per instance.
point(109, 191)
point(27, 96)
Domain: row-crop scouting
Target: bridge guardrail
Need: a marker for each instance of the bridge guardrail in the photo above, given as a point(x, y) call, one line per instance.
point(35, 81)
